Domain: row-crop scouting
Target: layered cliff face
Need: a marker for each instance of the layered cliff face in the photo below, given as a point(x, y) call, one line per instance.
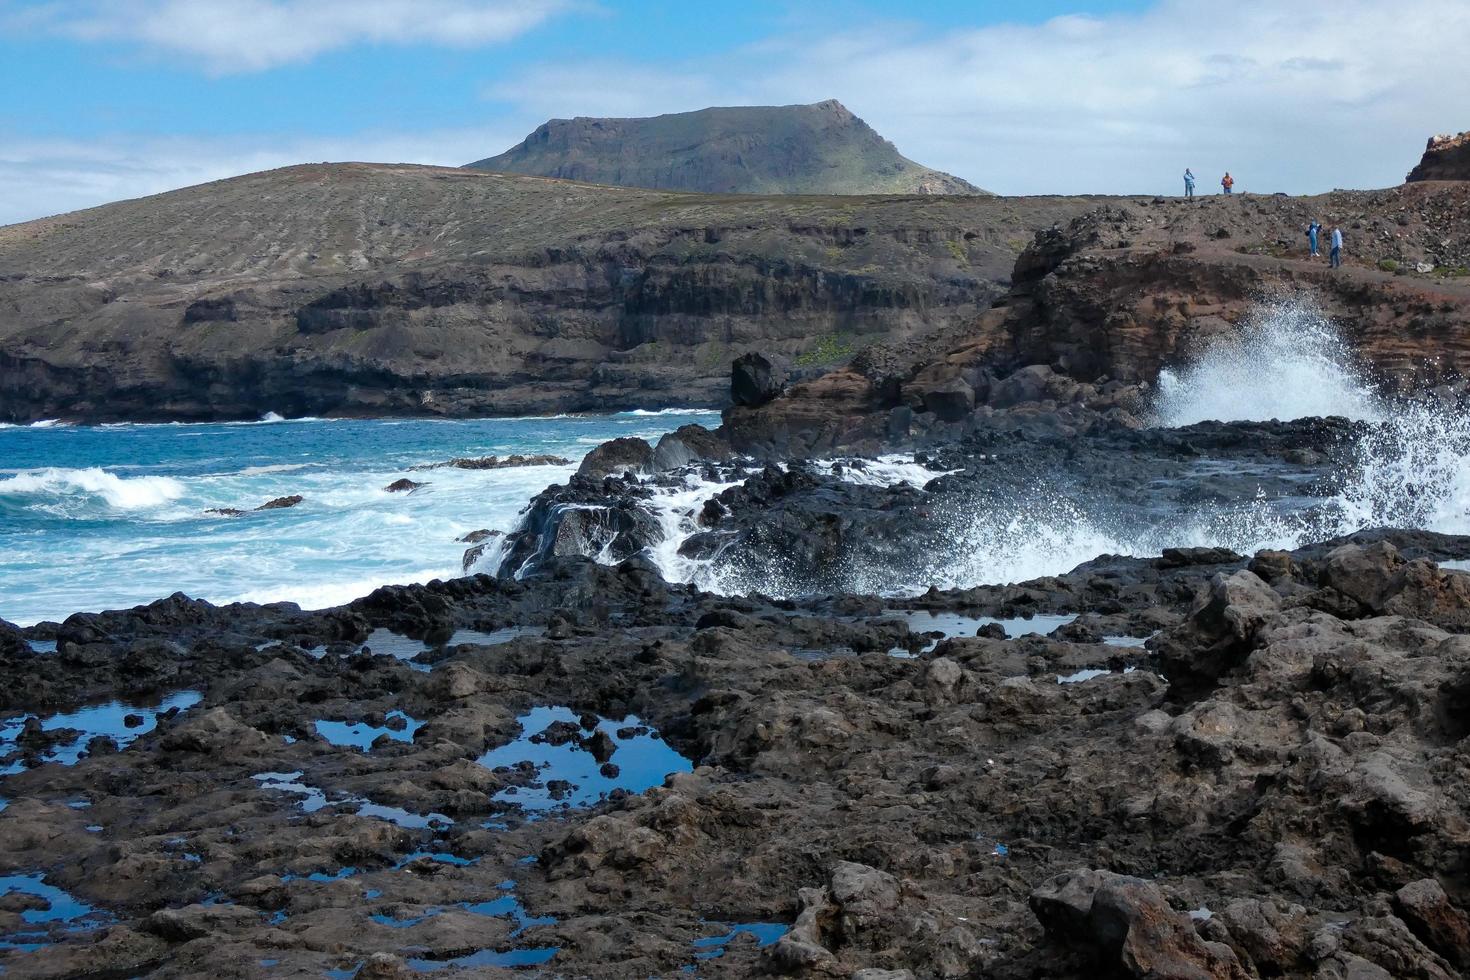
point(1445, 158)
point(794, 149)
point(1099, 308)
point(370, 289)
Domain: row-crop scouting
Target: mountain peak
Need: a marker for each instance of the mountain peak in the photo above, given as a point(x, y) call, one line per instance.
point(822, 148)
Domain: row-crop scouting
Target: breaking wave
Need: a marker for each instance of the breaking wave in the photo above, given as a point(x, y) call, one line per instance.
point(119, 493)
point(1287, 361)
point(1408, 467)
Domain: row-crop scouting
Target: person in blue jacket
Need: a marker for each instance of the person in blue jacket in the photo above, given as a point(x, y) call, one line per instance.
point(1336, 247)
point(1188, 183)
point(1313, 230)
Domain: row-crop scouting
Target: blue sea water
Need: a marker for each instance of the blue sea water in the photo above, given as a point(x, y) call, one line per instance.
point(104, 517)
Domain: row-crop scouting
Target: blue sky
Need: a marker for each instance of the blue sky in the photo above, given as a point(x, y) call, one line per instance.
point(113, 98)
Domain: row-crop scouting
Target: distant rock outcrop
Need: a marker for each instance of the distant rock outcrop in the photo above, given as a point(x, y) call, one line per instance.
point(1100, 306)
point(794, 149)
point(1445, 158)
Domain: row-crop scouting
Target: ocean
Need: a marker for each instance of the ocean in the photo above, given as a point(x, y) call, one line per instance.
point(111, 516)
point(105, 517)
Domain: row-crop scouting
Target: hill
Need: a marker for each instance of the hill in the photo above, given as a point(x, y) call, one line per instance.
point(370, 289)
point(794, 149)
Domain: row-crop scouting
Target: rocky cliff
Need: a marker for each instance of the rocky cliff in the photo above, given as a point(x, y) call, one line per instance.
point(1445, 158)
point(794, 149)
point(375, 289)
point(1099, 307)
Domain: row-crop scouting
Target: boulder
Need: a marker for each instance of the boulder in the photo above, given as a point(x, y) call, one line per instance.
point(757, 378)
point(950, 401)
point(1439, 924)
point(1124, 924)
point(688, 444)
point(1273, 934)
point(617, 456)
point(864, 895)
point(1382, 582)
point(404, 485)
point(1035, 383)
point(1222, 629)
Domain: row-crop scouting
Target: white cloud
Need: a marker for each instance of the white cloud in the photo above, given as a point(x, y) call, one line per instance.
point(225, 36)
point(1298, 97)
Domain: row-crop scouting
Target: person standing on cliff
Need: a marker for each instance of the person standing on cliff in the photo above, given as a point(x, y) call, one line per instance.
point(1336, 247)
point(1227, 184)
point(1188, 183)
point(1313, 230)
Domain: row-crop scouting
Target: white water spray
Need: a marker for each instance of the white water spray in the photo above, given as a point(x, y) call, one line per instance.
point(1409, 469)
point(1287, 361)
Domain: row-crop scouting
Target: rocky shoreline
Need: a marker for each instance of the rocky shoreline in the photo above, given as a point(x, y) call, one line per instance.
point(1203, 764)
point(711, 710)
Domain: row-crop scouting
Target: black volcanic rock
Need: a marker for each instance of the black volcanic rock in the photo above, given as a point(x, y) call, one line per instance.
point(756, 378)
point(793, 149)
point(615, 457)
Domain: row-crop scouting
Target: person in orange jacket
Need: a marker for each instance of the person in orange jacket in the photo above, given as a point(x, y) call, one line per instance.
point(1227, 183)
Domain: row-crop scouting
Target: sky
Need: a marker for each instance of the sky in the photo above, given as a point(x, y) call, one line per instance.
point(110, 99)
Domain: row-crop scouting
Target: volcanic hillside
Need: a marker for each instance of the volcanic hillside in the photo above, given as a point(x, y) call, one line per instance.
point(376, 289)
point(793, 149)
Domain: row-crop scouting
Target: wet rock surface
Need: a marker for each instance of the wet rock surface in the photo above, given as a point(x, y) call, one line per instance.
point(1276, 787)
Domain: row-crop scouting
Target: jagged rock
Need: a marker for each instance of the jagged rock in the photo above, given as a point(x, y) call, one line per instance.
point(1381, 582)
point(1221, 630)
point(214, 732)
point(494, 462)
point(282, 502)
point(384, 966)
point(864, 895)
point(1427, 910)
point(802, 948)
point(1273, 935)
point(403, 485)
point(756, 378)
point(197, 921)
point(1126, 924)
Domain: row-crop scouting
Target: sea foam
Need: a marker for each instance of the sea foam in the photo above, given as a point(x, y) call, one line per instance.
point(136, 493)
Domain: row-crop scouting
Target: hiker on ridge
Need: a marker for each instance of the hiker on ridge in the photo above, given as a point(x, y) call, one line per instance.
point(1313, 230)
point(1188, 183)
point(1336, 260)
point(1227, 183)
